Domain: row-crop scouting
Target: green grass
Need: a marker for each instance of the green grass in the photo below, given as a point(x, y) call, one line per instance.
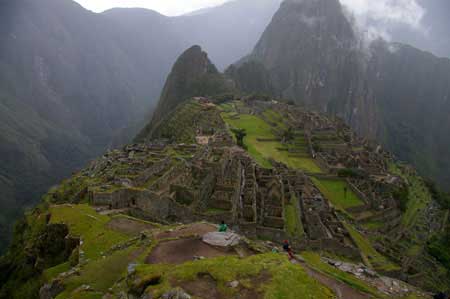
point(262, 152)
point(83, 221)
point(287, 281)
point(101, 270)
point(293, 223)
point(53, 272)
point(275, 117)
point(314, 260)
point(100, 274)
point(370, 255)
point(334, 192)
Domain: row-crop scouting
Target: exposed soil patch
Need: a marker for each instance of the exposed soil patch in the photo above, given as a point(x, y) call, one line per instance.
point(181, 251)
point(128, 226)
point(196, 229)
point(203, 287)
point(340, 289)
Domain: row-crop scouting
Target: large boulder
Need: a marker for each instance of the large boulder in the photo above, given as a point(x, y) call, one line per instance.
point(219, 239)
point(176, 294)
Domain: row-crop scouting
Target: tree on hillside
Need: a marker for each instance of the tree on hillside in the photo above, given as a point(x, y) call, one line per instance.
point(288, 135)
point(240, 135)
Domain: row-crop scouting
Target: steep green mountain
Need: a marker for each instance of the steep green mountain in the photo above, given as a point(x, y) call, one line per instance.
point(73, 83)
point(388, 91)
point(193, 74)
point(68, 84)
point(135, 222)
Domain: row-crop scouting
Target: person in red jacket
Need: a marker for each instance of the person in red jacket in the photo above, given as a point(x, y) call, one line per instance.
point(287, 247)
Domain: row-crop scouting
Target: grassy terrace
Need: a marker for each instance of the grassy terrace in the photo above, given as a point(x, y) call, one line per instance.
point(262, 152)
point(101, 272)
point(83, 221)
point(334, 191)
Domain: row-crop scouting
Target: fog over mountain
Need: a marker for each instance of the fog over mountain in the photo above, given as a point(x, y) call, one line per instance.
point(423, 24)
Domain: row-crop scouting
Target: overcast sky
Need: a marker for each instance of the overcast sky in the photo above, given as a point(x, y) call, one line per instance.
point(403, 11)
point(166, 7)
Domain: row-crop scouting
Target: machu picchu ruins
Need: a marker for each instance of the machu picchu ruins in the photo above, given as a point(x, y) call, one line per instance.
point(305, 177)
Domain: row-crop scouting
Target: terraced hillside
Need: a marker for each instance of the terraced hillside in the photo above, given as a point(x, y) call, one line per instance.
point(130, 225)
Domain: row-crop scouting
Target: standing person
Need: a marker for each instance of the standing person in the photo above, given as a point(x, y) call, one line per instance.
point(223, 227)
point(287, 248)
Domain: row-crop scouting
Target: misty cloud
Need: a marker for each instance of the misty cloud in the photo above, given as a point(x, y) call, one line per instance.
point(376, 18)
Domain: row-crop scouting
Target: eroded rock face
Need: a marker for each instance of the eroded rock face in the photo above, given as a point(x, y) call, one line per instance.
point(53, 246)
point(51, 290)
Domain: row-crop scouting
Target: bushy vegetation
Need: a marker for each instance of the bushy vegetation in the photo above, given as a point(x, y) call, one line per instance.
point(443, 198)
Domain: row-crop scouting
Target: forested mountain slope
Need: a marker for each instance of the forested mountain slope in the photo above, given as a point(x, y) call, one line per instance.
point(73, 83)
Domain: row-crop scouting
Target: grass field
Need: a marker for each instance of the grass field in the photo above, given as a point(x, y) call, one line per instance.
point(262, 152)
point(334, 191)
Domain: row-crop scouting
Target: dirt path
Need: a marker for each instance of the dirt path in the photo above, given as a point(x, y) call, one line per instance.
point(184, 250)
point(342, 290)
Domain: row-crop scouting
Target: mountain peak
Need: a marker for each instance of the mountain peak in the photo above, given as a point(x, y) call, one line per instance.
point(193, 74)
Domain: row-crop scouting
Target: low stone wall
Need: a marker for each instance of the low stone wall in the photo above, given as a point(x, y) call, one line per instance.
point(155, 169)
point(358, 192)
point(275, 222)
point(248, 229)
point(321, 162)
point(359, 209)
point(275, 235)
